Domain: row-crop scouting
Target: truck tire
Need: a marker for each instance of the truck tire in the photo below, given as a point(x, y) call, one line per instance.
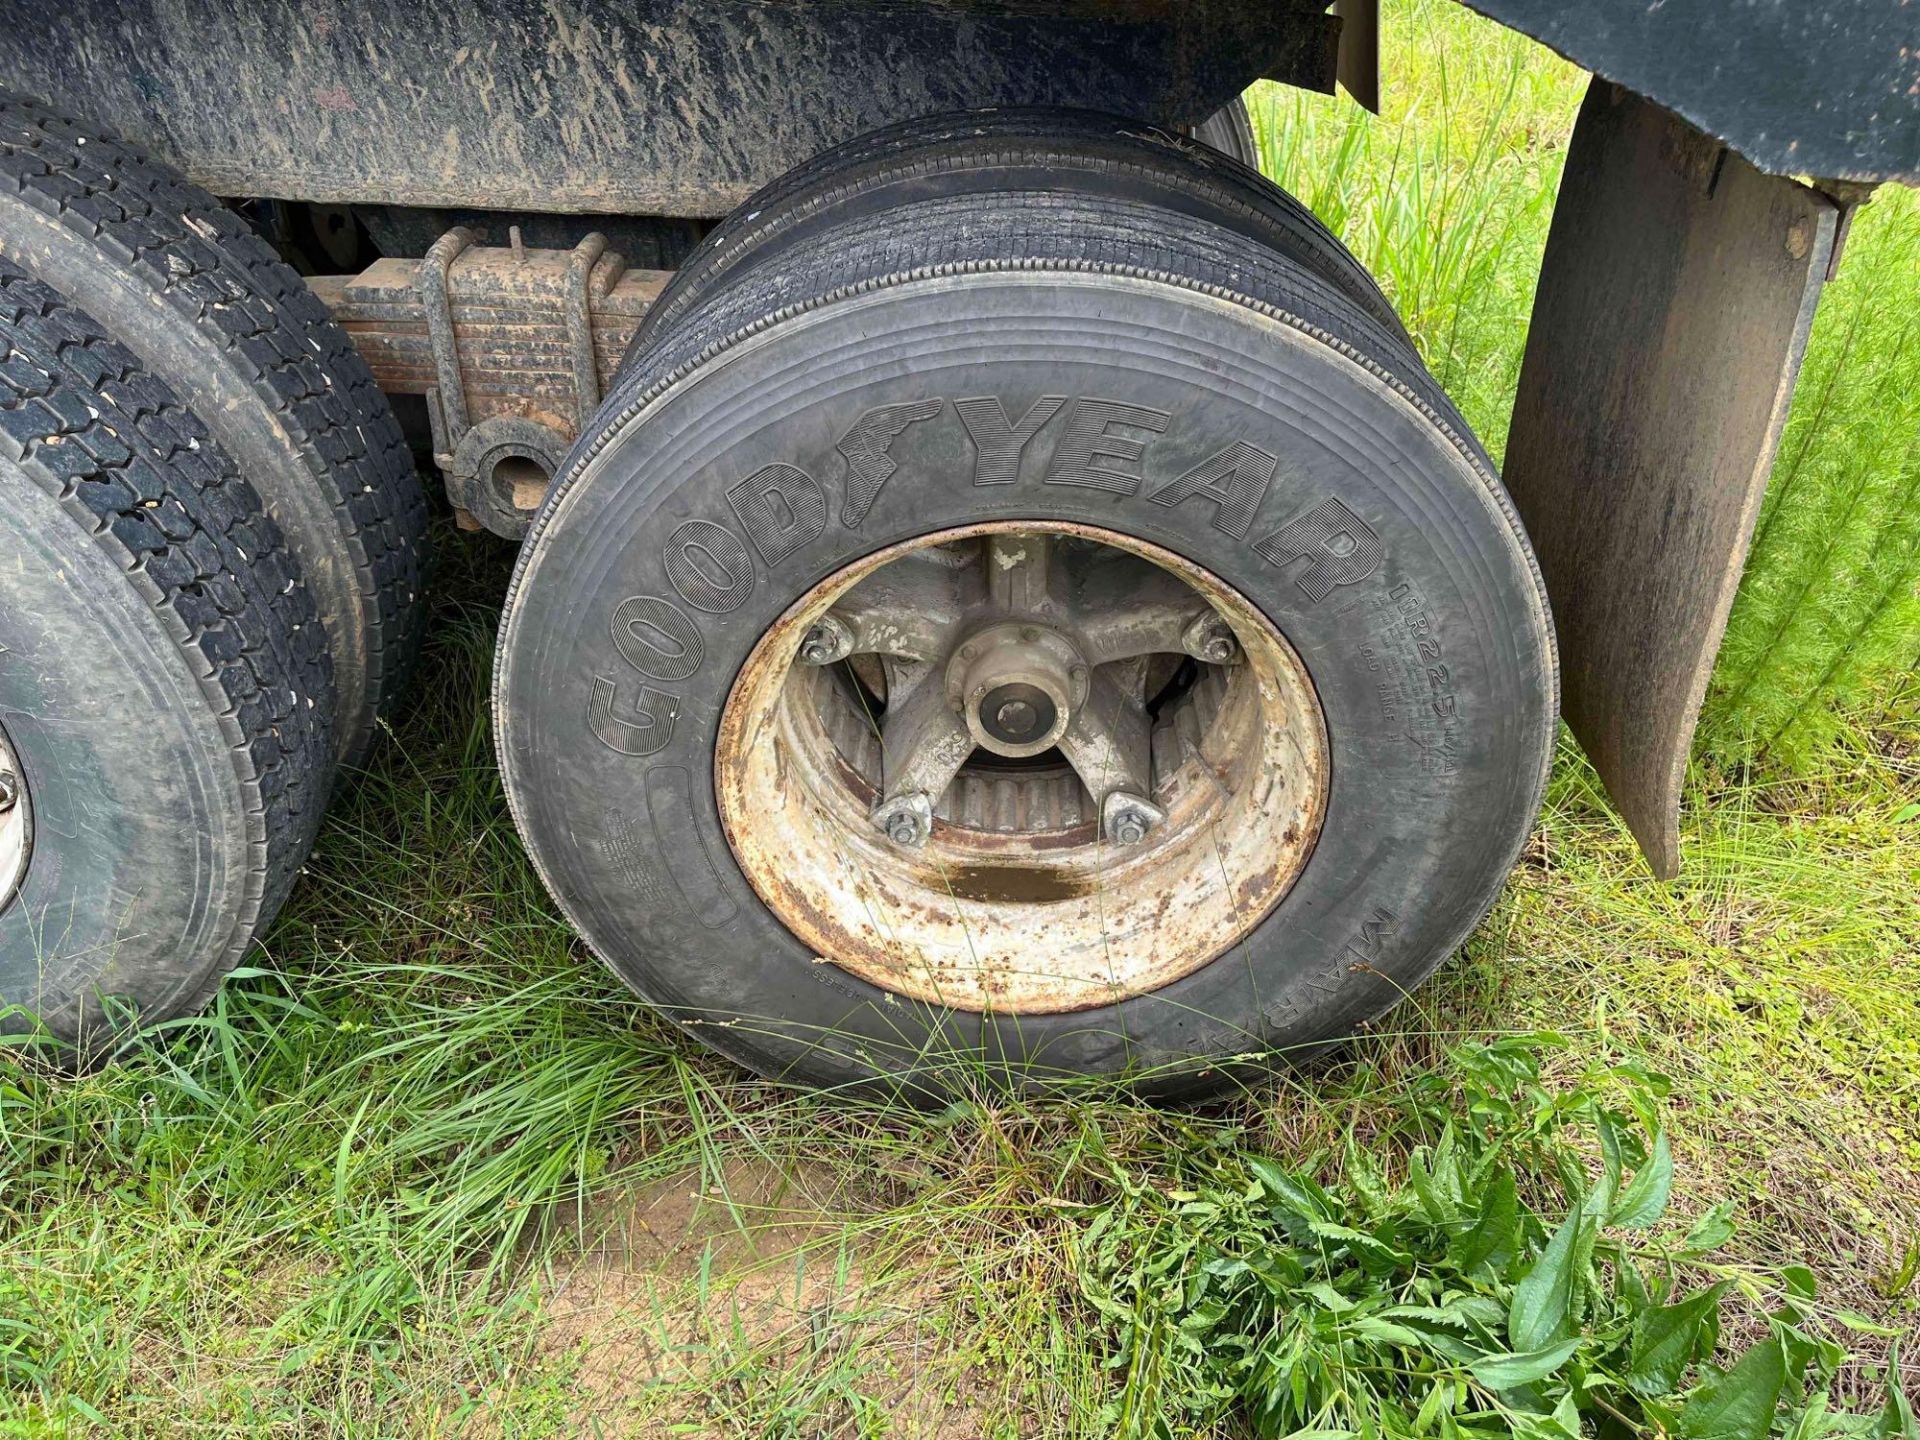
point(182, 282)
point(166, 697)
point(1230, 131)
point(1177, 415)
point(1002, 152)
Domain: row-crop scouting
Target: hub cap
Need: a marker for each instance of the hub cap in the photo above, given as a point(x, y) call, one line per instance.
point(16, 824)
point(1029, 768)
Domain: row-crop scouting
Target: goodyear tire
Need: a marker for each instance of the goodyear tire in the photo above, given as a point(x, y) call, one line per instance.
point(166, 701)
point(182, 282)
point(1157, 400)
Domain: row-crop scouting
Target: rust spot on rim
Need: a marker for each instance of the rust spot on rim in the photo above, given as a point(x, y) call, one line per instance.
point(1040, 923)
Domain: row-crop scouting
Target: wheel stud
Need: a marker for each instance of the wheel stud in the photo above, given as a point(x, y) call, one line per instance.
point(906, 820)
point(826, 641)
point(1208, 637)
point(1128, 818)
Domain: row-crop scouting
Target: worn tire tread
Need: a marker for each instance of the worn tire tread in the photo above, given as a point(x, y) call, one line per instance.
point(1100, 152)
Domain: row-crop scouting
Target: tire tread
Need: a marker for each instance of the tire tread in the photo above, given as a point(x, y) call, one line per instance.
point(209, 269)
point(139, 472)
point(1102, 150)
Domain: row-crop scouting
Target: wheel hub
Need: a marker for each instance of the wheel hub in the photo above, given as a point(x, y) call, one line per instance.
point(1018, 685)
point(1027, 768)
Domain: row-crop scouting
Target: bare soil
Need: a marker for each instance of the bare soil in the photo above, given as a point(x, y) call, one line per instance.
point(748, 1298)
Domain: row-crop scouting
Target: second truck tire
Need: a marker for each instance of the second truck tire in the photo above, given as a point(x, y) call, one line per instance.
point(982, 468)
point(166, 699)
point(182, 282)
point(1003, 153)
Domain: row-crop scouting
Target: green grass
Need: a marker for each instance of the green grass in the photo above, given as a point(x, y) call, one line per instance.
point(1447, 199)
point(425, 1169)
point(353, 1198)
point(1829, 606)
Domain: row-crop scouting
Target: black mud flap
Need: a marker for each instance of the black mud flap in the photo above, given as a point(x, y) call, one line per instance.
point(1675, 298)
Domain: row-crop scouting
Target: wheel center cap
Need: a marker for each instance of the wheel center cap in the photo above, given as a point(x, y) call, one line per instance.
point(1015, 713)
point(1017, 684)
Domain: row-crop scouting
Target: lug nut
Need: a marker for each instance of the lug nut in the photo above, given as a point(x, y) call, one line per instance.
point(9, 791)
point(1208, 637)
point(906, 820)
point(1128, 818)
point(826, 641)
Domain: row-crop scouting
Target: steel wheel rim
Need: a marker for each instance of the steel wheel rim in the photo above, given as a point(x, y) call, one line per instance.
point(1143, 877)
point(16, 824)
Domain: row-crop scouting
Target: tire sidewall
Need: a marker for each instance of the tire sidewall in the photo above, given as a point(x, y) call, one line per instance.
point(1433, 671)
point(143, 881)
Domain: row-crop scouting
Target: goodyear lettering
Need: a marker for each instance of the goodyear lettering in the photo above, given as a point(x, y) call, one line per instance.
point(708, 566)
point(709, 563)
point(1340, 548)
point(782, 508)
point(639, 725)
point(998, 446)
point(1235, 481)
point(1094, 452)
point(657, 638)
point(867, 447)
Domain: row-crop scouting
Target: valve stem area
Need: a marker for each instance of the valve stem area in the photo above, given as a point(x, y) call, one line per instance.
point(1037, 767)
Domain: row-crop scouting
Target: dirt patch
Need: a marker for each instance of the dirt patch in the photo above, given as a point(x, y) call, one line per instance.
point(730, 1302)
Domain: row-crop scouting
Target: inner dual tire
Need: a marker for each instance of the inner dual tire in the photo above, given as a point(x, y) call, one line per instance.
point(840, 444)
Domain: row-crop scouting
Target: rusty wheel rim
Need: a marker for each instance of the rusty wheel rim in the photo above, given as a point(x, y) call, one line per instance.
point(1025, 767)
